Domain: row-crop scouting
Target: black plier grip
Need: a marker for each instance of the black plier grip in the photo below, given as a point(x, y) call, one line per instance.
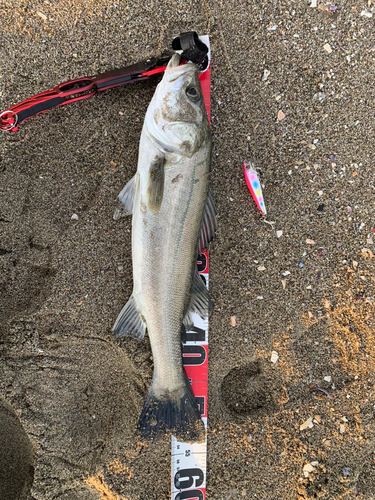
point(83, 88)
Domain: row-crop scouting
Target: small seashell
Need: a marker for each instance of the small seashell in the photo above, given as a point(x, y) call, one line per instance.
point(274, 357)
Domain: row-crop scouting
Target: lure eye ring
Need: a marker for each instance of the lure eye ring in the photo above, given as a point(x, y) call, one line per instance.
point(193, 93)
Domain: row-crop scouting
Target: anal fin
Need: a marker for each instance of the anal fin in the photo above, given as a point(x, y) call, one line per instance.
point(200, 301)
point(129, 321)
point(126, 197)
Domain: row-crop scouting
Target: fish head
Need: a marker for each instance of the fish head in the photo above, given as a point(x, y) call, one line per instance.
point(176, 119)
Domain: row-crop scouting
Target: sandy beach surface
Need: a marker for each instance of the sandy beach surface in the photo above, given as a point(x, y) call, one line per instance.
point(294, 84)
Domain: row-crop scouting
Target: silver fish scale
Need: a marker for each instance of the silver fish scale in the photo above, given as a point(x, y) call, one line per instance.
point(164, 258)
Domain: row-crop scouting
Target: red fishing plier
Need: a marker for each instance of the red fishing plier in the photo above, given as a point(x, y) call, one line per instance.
point(83, 88)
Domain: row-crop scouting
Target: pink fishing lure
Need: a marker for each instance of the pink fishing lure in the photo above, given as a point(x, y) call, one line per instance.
point(253, 184)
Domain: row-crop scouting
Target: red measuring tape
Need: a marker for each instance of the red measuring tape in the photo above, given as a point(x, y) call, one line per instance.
point(189, 460)
point(188, 464)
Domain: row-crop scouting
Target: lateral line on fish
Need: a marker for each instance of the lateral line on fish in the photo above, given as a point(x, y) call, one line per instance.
point(187, 207)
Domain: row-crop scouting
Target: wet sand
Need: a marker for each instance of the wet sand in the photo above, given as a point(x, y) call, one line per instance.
point(299, 428)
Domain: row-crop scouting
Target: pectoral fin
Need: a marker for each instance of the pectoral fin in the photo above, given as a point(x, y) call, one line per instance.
point(155, 186)
point(209, 223)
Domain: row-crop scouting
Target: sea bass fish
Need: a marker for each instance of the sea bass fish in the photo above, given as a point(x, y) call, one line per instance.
point(173, 217)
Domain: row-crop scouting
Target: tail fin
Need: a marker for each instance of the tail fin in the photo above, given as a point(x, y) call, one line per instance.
point(178, 416)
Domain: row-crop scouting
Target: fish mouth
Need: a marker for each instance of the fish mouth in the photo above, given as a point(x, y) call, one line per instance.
point(174, 61)
point(174, 70)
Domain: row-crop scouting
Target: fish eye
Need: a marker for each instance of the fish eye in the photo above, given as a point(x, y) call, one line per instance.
point(193, 93)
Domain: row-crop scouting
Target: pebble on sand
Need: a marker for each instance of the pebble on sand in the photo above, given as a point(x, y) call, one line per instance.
point(307, 469)
point(327, 47)
point(42, 16)
point(307, 424)
point(266, 74)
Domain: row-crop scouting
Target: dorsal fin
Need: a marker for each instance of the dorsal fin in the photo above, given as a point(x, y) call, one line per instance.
point(209, 223)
